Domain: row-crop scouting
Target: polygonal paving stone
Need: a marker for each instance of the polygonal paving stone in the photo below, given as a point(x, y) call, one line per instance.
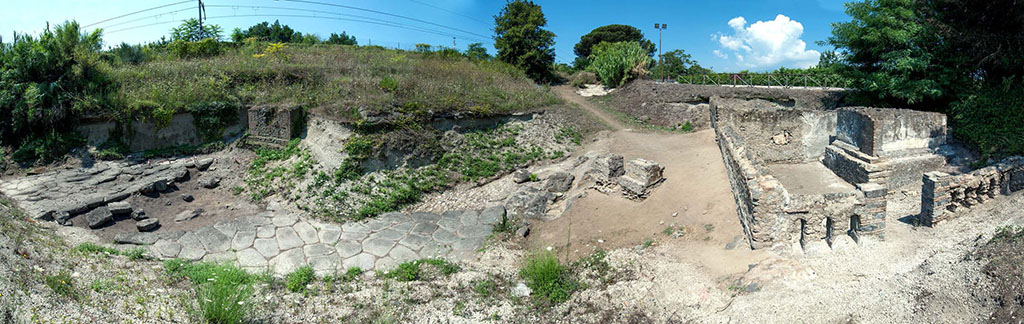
point(167, 249)
point(213, 239)
point(424, 228)
point(394, 218)
point(330, 234)
point(444, 236)
point(378, 247)
point(255, 221)
point(266, 247)
point(353, 227)
point(191, 247)
point(288, 261)
point(353, 236)
point(385, 264)
point(243, 240)
point(462, 255)
point(493, 215)
point(476, 231)
point(469, 217)
point(251, 258)
point(220, 257)
point(402, 227)
point(306, 232)
point(288, 239)
point(231, 227)
point(434, 250)
point(284, 220)
point(388, 234)
point(317, 250)
point(425, 217)
point(451, 214)
point(402, 254)
point(364, 261)
point(265, 231)
point(450, 224)
point(376, 225)
point(324, 265)
point(414, 241)
point(468, 244)
point(348, 248)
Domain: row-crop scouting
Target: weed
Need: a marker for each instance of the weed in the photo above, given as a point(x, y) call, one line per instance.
point(685, 127)
point(709, 227)
point(413, 270)
point(352, 274)
point(222, 291)
point(569, 133)
point(533, 177)
point(647, 243)
point(485, 287)
point(548, 278)
point(237, 190)
point(90, 248)
point(102, 285)
point(61, 284)
point(297, 281)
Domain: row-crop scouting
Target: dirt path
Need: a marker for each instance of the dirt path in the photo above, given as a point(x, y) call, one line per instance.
point(569, 94)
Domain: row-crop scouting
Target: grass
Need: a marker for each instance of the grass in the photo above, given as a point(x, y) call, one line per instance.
point(548, 278)
point(91, 248)
point(352, 274)
point(647, 243)
point(297, 280)
point(485, 288)
point(415, 270)
point(222, 291)
point(61, 284)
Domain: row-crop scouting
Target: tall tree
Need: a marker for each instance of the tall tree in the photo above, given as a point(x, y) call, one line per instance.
point(342, 39)
point(476, 51)
point(612, 34)
point(521, 40)
point(264, 31)
point(677, 62)
point(190, 31)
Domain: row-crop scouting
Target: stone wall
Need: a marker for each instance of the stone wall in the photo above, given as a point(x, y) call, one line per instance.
point(776, 133)
point(144, 135)
point(273, 126)
point(942, 194)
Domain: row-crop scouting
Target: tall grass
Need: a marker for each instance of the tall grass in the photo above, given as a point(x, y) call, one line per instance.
point(548, 278)
point(222, 291)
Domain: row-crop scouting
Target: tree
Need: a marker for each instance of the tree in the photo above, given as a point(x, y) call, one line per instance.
point(264, 31)
point(612, 34)
point(476, 51)
point(676, 63)
point(342, 39)
point(190, 31)
point(889, 54)
point(521, 40)
point(617, 63)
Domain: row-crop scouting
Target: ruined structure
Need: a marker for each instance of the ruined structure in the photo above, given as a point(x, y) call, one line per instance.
point(273, 126)
point(942, 194)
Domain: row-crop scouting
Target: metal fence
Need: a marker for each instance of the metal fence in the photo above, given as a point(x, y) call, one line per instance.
point(767, 79)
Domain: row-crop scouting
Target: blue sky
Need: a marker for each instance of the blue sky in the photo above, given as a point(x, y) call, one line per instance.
point(770, 34)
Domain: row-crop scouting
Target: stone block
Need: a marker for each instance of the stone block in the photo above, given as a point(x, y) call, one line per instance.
point(644, 171)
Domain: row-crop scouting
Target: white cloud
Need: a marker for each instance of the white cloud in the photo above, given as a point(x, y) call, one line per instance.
point(767, 44)
point(721, 55)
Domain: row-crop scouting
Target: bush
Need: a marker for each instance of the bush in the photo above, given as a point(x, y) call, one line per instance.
point(548, 278)
point(48, 147)
point(297, 281)
point(984, 119)
point(581, 78)
point(222, 291)
point(188, 50)
point(617, 63)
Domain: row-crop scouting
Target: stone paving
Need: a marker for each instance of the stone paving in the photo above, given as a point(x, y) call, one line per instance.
point(282, 243)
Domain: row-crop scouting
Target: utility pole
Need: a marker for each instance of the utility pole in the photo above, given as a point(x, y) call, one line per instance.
point(453, 43)
point(661, 68)
point(202, 10)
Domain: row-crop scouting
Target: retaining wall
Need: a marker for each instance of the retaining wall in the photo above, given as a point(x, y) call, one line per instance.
point(144, 135)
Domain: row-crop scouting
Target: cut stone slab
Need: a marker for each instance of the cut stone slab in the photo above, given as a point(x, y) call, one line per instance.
point(607, 167)
point(424, 228)
point(187, 215)
point(265, 231)
point(385, 264)
point(313, 250)
point(388, 234)
point(354, 227)
point(529, 202)
point(288, 239)
point(204, 164)
point(378, 247)
point(353, 236)
point(288, 261)
point(136, 238)
point(414, 241)
point(469, 218)
point(284, 220)
point(243, 240)
point(476, 231)
point(266, 247)
point(348, 248)
point(306, 232)
point(167, 249)
point(119, 208)
point(324, 265)
point(191, 248)
point(402, 254)
point(493, 215)
point(99, 217)
point(213, 239)
point(220, 257)
point(364, 261)
point(251, 258)
point(444, 236)
point(644, 171)
point(147, 225)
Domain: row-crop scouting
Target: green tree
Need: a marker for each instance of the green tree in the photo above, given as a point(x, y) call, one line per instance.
point(522, 41)
point(264, 31)
point(676, 63)
point(617, 63)
point(889, 54)
point(477, 51)
point(342, 39)
point(612, 34)
point(189, 31)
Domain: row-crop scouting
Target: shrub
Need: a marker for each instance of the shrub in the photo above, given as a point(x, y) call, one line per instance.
point(188, 50)
point(297, 281)
point(222, 291)
point(984, 120)
point(48, 147)
point(617, 63)
point(548, 278)
point(61, 284)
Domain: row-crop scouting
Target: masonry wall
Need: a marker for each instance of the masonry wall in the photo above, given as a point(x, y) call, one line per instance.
point(775, 133)
point(144, 135)
point(943, 195)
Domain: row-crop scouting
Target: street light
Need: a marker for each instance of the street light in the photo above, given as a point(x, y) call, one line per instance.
point(661, 68)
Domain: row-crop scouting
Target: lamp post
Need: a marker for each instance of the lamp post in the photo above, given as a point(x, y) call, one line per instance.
point(661, 68)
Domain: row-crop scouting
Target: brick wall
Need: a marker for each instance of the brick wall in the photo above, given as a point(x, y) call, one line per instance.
point(943, 195)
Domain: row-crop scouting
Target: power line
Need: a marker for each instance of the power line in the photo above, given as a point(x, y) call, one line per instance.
point(449, 11)
point(388, 14)
point(331, 13)
point(137, 12)
point(149, 17)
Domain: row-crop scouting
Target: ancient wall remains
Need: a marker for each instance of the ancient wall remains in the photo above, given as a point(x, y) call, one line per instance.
point(273, 126)
point(943, 195)
point(141, 135)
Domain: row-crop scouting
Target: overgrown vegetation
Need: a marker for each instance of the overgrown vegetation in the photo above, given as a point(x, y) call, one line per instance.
point(617, 63)
point(222, 291)
point(548, 278)
point(297, 280)
point(61, 284)
point(422, 269)
point(522, 41)
point(91, 248)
